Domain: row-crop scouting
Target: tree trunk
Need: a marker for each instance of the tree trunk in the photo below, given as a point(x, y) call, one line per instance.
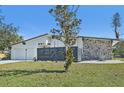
point(66, 65)
point(116, 33)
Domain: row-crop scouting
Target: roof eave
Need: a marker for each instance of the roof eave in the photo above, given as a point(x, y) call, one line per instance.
point(98, 38)
point(29, 39)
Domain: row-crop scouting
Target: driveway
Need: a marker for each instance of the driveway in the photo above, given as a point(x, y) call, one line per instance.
point(11, 61)
point(103, 62)
point(90, 62)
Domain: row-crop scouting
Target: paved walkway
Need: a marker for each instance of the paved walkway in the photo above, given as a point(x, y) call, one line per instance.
point(103, 62)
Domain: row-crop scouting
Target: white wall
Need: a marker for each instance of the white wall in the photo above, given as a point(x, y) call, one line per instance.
point(18, 51)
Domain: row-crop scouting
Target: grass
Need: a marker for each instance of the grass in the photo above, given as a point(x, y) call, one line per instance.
point(50, 74)
point(121, 59)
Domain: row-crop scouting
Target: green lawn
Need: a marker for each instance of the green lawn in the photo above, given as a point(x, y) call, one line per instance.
point(32, 74)
point(121, 59)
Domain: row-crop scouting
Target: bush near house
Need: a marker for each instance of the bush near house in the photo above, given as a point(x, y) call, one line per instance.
point(2, 55)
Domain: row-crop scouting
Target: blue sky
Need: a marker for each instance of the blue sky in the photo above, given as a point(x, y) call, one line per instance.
point(35, 20)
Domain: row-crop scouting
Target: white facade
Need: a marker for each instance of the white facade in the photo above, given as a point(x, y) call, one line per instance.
point(28, 50)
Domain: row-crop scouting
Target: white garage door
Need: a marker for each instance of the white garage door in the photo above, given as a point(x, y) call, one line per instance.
point(23, 54)
point(18, 54)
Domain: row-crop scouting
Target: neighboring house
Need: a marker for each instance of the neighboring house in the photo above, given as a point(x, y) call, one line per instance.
point(118, 50)
point(44, 47)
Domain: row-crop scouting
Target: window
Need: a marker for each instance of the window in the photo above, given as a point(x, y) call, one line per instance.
point(49, 43)
point(39, 43)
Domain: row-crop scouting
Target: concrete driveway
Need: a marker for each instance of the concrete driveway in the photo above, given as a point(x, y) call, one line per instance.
point(90, 62)
point(103, 62)
point(11, 61)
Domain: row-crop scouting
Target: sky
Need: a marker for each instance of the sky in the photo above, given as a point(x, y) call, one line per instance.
point(35, 20)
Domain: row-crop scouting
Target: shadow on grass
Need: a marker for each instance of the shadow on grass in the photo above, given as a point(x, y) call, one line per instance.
point(27, 72)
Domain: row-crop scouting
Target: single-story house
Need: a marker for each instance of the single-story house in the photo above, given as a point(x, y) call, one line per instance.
point(44, 47)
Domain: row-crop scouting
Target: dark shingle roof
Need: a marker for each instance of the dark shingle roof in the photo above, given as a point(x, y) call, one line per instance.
point(78, 37)
point(97, 38)
point(30, 39)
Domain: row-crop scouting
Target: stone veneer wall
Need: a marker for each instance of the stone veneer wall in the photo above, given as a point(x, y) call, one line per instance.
point(97, 49)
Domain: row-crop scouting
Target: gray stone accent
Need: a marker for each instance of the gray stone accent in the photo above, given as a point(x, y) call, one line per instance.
point(96, 49)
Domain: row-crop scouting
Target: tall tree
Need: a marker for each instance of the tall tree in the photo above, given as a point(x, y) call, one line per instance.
point(116, 24)
point(8, 35)
point(67, 28)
